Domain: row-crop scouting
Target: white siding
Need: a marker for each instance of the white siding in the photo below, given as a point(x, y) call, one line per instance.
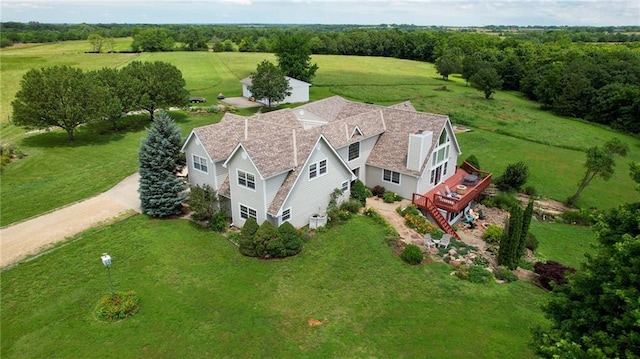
point(310, 197)
point(408, 184)
point(299, 93)
point(242, 195)
point(366, 146)
point(197, 177)
point(221, 173)
point(273, 185)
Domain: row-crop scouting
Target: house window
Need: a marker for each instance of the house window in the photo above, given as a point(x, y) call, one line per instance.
point(354, 151)
point(317, 169)
point(444, 138)
point(246, 179)
point(313, 170)
point(345, 186)
point(247, 212)
point(391, 176)
point(286, 215)
point(200, 163)
point(323, 167)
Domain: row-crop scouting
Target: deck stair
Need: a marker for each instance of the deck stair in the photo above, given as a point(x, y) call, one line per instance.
point(432, 210)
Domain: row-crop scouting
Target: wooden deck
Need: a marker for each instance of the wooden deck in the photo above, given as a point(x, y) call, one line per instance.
point(459, 201)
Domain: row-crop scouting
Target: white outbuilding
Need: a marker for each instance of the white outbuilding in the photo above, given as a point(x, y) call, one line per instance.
point(299, 90)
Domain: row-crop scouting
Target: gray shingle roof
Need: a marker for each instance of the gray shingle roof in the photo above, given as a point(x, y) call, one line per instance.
point(390, 151)
point(269, 138)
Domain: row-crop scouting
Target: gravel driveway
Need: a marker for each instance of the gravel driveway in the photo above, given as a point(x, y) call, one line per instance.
point(31, 236)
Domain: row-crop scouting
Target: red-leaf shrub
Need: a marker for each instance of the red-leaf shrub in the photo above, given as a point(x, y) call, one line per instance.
point(552, 272)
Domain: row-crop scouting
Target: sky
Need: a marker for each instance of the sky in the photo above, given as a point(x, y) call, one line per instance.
point(363, 12)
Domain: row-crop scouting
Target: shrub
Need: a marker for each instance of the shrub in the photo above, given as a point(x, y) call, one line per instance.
point(266, 233)
point(359, 192)
point(291, 239)
point(481, 261)
point(117, 306)
point(531, 242)
point(461, 272)
point(502, 200)
point(493, 234)
point(581, 217)
point(412, 254)
point(246, 245)
point(219, 222)
point(378, 191)
point(203, 201)
point(473, 160)
point(504, 274)
point(530, 190)
point(351, 205)
point(514, 177)
point(478, 274)
point(552, 272)
point(389, 197)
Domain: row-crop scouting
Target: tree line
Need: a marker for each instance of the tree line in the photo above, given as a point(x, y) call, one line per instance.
point(36, 32)
point(67, 97)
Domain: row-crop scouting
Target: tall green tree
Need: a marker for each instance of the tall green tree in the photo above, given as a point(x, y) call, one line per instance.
point(486, 80)
point(597, 314)
point(448, 64)
point(269, 83)
point(600, 163)
point(58, 96)
point(96, 40)
point(293, 52)
point(162, 190)
point(509, 253)
point(121, 97)
point(156, 85)
point(152, 40)
point(526, 223)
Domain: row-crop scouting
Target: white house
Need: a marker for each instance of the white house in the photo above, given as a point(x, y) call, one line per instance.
point(283, 165)
point(299, 90)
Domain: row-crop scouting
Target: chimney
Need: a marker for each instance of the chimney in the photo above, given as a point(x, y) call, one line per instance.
point(419, 144)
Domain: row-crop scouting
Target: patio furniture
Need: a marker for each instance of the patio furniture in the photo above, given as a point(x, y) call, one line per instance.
point(470, 179)
point(445, 240)
point(428, 242)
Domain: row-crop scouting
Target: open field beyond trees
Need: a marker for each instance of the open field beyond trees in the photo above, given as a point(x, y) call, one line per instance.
point(200, 298)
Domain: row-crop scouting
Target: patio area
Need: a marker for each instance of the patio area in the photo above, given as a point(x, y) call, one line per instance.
point(457, 191)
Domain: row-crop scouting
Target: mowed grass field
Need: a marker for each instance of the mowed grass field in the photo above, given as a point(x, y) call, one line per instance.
point(200, 298)
point(506, 129)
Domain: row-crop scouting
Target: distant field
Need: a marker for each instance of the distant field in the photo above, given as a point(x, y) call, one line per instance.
point(506, 129)
point(200, 298)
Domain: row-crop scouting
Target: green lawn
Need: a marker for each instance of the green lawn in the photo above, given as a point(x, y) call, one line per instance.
point(201, 298)
point(507, 129)
point(563, 243)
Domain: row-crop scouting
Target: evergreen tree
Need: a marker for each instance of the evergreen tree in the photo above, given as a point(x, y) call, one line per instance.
point(161, 189)
point(509, 253)
point(246, 244)
point(526, 223)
